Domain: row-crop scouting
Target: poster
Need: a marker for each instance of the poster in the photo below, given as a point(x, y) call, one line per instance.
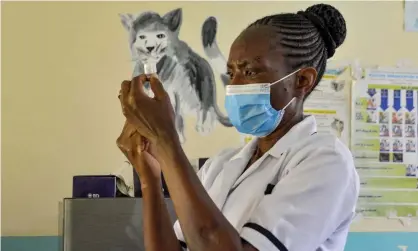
point(411, 15)
point(384, 142)
point(328, 103)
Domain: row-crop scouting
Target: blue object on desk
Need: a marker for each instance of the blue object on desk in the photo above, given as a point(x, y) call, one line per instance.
point(94, 186)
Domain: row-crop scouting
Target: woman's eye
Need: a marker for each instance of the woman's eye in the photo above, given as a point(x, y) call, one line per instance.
point(250, 73)
point(141, 37)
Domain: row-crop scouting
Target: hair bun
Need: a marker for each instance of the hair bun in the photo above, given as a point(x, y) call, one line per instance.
point(331, 24)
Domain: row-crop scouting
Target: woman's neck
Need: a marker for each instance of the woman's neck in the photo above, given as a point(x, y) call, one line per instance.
point(266, 143)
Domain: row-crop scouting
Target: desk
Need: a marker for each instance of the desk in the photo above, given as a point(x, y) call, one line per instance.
point(115, 224)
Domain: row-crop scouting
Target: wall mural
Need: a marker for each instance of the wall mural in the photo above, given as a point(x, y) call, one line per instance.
point(187, 77)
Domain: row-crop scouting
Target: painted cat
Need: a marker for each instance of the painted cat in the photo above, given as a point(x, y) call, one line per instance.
point(337, 85)
point(187, 77)
point(211, 49)
point(338, 126)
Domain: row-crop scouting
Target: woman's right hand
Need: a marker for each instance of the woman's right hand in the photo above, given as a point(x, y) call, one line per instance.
point(140, 153)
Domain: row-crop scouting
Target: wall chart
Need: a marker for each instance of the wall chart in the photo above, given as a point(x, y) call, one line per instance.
point(384, 142)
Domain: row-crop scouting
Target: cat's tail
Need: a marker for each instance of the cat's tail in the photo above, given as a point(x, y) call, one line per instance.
point(224, 120)
point(210, 46)
point(217, 62)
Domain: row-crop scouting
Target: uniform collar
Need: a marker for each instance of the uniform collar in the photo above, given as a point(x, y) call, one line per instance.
point(297, 133)
point(247, 151)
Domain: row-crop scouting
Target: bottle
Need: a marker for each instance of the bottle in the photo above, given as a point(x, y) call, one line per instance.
point(150, 67)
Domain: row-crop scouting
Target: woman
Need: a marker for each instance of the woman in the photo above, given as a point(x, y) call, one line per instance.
point(288, 189)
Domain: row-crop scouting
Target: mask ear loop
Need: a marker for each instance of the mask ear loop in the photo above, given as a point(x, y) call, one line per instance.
point(283, 78)
point(284, 108)
point(288, 75)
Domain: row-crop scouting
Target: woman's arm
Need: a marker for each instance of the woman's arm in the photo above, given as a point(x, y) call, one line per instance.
point(203, 224)
point(158, 230)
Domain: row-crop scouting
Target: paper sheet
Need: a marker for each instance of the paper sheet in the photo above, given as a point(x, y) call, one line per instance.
point(328, 103)
point(384, 142)
point(411, 15)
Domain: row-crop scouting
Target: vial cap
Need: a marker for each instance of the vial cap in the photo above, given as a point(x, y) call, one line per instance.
point(150, 68)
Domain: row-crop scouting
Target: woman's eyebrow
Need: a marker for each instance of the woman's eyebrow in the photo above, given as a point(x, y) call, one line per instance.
point(257, 59)
point(243, 63)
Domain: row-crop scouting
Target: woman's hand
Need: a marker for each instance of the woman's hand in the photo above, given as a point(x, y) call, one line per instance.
point(153, 117)
point(140, 153)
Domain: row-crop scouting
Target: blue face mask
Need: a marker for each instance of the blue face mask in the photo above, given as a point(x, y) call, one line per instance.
point(249, 108)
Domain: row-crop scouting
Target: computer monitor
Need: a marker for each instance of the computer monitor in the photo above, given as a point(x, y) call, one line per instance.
point(108, 224)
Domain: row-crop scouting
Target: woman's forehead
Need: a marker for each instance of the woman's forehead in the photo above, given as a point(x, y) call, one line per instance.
point(255, 45)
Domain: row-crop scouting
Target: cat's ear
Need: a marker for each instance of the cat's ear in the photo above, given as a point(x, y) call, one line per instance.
point(127, 20)
point(173, 20)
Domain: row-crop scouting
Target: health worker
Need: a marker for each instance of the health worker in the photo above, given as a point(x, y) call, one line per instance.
point(289, 189)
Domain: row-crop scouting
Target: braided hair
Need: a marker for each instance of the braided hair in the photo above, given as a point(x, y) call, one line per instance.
point(308, 38)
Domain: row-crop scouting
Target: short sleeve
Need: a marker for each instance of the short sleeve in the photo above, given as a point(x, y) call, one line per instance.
point(307, 205)
point(177, 228)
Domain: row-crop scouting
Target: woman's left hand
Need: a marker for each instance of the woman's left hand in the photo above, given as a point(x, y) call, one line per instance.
point(152, 117)
point(140, 153)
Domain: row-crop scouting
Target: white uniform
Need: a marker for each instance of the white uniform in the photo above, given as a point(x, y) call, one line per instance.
point(299, 196)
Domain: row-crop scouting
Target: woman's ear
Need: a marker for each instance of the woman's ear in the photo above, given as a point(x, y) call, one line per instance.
point(306, 79)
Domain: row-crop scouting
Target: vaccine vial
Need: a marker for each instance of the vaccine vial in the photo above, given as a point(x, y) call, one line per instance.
point(150, 68)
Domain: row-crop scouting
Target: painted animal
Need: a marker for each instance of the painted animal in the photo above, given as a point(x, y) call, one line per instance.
point(337, 85)
point(187, 77)
point(338, 126)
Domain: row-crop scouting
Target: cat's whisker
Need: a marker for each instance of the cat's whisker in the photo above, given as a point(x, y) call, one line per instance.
point(134, 60)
